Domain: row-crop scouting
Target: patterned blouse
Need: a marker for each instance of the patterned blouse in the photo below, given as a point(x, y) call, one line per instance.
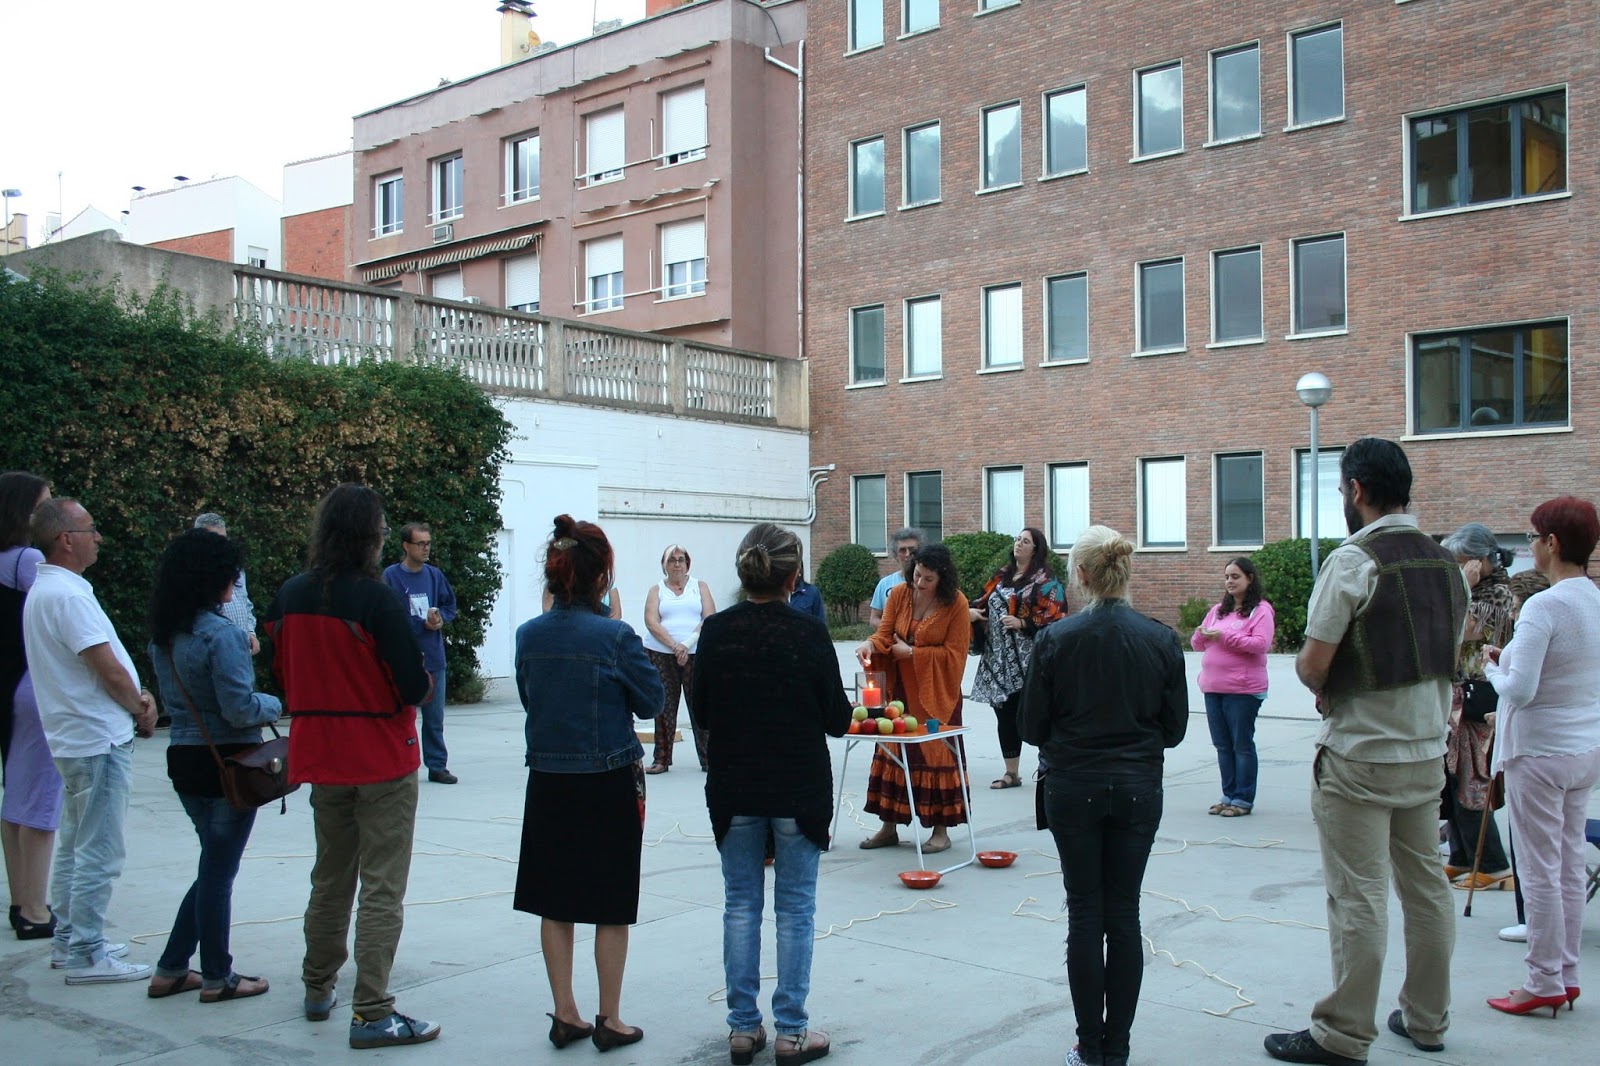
point(1004, 663)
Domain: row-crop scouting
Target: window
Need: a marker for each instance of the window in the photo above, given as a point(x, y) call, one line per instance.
point(1319, 284)
point(388, 205)
point(1002, 326)
point(1316, 75)
point(1066, 318)
point(918, 15)
point(256, 256)
point(447, 189)
point(522, 283)
point(683, 125)
point(1066, 131)
point(1236, 296)
point(1161, 305)
point(522, 168)
point(870, 514)
point(602, 274)
point(924, 340)
point(925, 504)
point(1160, 112)
point(866, 177)
point(1002, 145)
point(447, 285)
point(1240, 503)
point(1330, 505)
point(1069, 503)
point(866, 24)
point(606, 147)
point(1498, 152)
point(1236, 93)
point(1002, 495)
point(683, 258)
point(995, 5)
point(921, 165)
point(1506, 377)
point(866, 344)
point(1163, 503)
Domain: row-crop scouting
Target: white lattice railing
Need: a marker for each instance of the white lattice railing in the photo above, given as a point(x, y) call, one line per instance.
point(326, 323)
point(494, 348)
point(727, 383)
point(607, 365)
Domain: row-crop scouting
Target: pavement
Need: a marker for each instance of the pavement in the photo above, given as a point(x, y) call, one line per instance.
point(969, 972)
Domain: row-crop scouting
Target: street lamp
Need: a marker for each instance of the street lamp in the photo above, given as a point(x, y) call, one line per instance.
point(1314, 390)
point(8, 195)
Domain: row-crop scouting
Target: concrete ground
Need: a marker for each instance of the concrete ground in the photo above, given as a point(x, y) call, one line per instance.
point(970, 972)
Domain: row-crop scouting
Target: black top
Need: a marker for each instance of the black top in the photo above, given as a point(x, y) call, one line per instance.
point(1106, 692)
point(767, 687)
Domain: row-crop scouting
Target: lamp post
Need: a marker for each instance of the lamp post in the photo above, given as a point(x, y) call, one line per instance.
point(8, 195)
point(1314, 390)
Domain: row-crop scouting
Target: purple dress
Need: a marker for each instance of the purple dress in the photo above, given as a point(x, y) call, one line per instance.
point(33, 788)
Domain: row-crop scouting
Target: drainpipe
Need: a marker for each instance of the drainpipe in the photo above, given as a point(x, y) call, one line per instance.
point(799, 199)
point(819, 474)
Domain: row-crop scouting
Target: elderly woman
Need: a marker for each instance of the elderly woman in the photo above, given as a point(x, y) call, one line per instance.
point(673, 610)
point(583, 679)
point(771, 777)
point(921, 644)
point(207, 682)
point(1021, 599)
point(1466, 808)
point(1548, 678)
point(1105, 695)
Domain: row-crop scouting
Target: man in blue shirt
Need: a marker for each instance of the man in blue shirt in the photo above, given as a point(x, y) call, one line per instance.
point(806, 597)
point(430, 603)
point(906, 543)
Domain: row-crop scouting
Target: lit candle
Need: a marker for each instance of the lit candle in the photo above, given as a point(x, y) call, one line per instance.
point(872, 695)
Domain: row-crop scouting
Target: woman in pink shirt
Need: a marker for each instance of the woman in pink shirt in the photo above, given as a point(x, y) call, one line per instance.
point(1235, 637)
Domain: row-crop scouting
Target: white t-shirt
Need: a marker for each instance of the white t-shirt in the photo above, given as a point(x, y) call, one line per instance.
point(61, 619)
point(680, 616)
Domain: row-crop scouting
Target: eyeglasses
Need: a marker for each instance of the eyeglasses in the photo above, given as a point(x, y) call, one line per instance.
point(906, 549)
point(1536, 537)
point(386, 531)
point(423, 543)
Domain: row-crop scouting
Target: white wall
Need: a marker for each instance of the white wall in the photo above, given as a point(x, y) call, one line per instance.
point(208, 206)
point(318, 184)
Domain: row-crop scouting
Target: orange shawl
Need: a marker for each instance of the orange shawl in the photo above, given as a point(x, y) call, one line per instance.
point(939, 652)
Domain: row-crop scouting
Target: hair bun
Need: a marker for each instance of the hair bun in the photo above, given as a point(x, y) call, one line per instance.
point(564, 525)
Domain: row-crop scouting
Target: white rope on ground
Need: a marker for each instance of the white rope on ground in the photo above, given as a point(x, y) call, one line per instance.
point(677, 827)
point(142, 938)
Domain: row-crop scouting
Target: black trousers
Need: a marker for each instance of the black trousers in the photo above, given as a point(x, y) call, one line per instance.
point(1462, 828)
point(1005, 713)
point(1104, 826)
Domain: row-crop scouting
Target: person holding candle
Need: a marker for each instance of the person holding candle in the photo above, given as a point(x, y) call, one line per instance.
point(921, 645)
point(673, 610)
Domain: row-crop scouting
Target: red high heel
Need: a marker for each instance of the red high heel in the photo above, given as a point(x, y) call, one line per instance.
point(1507, 1005)
point(1572, 995)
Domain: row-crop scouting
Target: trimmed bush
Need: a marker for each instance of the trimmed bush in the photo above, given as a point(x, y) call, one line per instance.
point(847, 576)
point(1191, 613)
point(974, 555)
point(1285, 569)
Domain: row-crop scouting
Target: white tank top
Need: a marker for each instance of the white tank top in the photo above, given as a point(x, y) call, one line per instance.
point(680, 614)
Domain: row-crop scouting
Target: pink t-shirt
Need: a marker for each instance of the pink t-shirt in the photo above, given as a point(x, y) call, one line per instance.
point(1235, 661)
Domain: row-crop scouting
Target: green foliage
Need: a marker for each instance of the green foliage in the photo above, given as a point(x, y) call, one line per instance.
point(1286, 580)
point(846, 577)
point(151, 414)
point(850, 631)
point(1190, 614)
point(975, 555)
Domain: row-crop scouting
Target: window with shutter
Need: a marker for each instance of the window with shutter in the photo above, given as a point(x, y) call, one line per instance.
point(448, 285)
point(683, 125)
point(522, 283)
point(603, 273)
point(683, 258)
point(606, 148)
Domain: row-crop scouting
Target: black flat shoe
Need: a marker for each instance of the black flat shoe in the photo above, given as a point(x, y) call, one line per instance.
point(605, 1039)
point(16, 916)
point(27, 930)
point(563, 1033)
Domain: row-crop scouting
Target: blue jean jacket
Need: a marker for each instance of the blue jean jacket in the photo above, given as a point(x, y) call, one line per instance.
point(583, 678)
point(214, 661)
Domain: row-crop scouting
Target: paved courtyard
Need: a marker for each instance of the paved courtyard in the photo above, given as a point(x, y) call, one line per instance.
point(970, 972)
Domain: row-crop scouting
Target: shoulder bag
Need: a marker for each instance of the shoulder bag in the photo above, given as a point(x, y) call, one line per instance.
point(252, 777)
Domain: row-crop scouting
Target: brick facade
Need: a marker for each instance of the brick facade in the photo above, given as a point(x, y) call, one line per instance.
point(314, 242)
point(217, 244)
point(1522, 262)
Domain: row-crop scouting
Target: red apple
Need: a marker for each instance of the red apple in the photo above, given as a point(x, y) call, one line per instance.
point(900, 725)
point(892, 712)
point(898, 705)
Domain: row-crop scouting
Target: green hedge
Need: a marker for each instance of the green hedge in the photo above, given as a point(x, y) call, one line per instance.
point(151, 414)
point(1286, 580)
point(845, 577)
point(978, 555)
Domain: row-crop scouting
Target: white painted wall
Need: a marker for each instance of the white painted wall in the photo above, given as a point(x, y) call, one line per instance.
point(207, 206)
point(318, 184)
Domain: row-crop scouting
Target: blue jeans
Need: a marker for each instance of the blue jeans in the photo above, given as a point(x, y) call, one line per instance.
point(1103, 828)
point(435, 756)
point(89, 850)
point(1232, 717)
point(794, 903)
point(206, 912)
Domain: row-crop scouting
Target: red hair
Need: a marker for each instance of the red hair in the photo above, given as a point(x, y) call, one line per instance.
point(1574, 523)
point(578, 557)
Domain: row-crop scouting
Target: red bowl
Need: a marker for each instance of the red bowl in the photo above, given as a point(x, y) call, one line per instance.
point(920, 878)
point(997, 859)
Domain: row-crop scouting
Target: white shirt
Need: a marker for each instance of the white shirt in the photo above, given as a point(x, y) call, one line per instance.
point(1548, 677)
point(60, 619)
point(680, 616)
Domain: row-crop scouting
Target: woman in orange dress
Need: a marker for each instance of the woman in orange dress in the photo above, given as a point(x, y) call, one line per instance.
point(921, 645)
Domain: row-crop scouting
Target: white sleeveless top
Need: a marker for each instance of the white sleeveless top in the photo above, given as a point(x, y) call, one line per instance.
point(680, 614)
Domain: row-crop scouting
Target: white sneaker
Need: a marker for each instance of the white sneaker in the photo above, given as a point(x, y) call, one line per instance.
point(58, 957)
point(1517, 934)
point(108, 970)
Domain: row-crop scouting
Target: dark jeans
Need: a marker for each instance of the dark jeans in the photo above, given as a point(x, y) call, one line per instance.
point(206, 912)
point(431, 718)
point(1005, 713)
point(1462, 827)
point(1232, 718)
point(1104, 826)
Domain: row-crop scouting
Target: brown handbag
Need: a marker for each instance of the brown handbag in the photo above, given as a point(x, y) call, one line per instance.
point(251, 777)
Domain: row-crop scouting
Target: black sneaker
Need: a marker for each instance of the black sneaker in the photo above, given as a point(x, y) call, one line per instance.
point(1299, 1047)
point(1397, 1026)
point(442, 777)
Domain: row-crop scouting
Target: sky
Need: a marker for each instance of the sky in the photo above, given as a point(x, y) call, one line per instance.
point(112, 96)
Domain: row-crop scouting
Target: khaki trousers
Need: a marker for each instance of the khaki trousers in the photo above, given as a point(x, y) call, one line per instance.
point(363, 831)
point(1376, 821)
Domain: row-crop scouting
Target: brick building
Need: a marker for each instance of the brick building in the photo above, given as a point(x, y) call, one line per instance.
point(646, 177)
point(1066, 262)
point(317, 214)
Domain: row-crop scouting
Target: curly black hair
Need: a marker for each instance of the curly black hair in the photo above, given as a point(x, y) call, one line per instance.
point(936, 557)
point(195, 570)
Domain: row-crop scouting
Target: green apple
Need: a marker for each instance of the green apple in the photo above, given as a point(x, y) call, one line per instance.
point(911, 723)
point(898, 705)
point(859, 714)
point(885, 726)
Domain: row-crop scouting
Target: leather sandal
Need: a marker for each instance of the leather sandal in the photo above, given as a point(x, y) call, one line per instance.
point(1484, 882)
point(189, 982)
point(806, 1047)
point(1217, 808)
point(744, 1045)
point(239, 988)
point(1007, 780)
point(1230, 811)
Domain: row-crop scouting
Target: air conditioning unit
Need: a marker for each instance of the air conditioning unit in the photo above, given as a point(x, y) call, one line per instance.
point(444, 232)
point(472, 299)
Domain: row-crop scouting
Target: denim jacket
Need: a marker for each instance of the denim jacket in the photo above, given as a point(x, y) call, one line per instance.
point(583, 678)
point(215, 663)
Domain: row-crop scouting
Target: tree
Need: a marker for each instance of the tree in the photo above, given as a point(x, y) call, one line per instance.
point(1286, 581)
point(846, 577)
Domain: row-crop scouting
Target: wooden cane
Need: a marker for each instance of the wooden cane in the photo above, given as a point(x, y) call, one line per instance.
point(1477, 856)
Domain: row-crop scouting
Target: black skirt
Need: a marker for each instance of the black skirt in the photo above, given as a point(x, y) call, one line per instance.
point(581, 840)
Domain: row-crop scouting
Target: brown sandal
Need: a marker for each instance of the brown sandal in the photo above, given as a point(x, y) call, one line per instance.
point(1231, 811)
point(240, 988)
point(178, 985)
point(1007, 780)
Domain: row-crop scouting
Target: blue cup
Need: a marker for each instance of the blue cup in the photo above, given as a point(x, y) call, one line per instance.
point(932, 724)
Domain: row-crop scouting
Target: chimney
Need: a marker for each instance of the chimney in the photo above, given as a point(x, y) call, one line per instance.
point(517, 39)
point(656, 7)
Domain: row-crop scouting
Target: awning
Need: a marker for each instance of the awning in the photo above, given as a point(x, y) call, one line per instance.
point(457, 254)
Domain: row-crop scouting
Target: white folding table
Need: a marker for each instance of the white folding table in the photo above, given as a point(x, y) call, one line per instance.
point(895, 748)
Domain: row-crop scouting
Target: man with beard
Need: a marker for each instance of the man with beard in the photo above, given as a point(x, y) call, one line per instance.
point(1386, 617)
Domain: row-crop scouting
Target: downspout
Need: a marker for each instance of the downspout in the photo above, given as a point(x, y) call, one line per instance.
point(799, 196)
point(819, 474)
